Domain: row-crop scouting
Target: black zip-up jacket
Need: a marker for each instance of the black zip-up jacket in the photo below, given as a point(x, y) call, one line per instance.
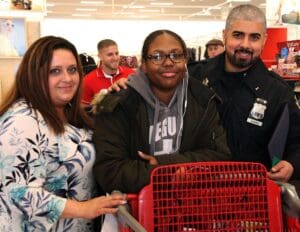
point(238, 93)
point(122, 129)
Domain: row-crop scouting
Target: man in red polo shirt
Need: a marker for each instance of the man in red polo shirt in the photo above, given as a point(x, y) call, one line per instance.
point(107, 73)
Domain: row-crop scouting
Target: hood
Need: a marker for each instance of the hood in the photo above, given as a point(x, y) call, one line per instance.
point(158, 112)
point(140, 82)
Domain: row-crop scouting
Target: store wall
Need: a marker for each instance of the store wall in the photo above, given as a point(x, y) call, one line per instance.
point(9, 65)
point(129, 35)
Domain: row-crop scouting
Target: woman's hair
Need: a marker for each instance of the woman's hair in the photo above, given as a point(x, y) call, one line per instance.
point(152, 36)
point(31, 83)
point(246, 12)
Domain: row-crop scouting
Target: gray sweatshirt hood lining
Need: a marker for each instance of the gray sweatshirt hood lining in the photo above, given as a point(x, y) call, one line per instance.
point(140, 82)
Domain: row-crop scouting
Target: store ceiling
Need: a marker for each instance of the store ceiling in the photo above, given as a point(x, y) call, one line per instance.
point(145, 9)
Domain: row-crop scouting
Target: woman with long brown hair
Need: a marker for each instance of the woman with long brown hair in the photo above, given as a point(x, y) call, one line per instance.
point(46, 154)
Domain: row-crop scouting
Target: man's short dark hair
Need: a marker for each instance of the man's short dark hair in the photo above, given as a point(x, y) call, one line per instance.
point(106, 43)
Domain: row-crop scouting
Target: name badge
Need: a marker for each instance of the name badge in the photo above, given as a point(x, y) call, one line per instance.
point(257, 112)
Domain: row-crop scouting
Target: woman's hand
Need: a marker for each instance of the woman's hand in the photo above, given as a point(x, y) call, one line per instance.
point(93, 208)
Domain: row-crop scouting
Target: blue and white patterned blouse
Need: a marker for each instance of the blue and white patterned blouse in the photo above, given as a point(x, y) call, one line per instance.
point(39, 170)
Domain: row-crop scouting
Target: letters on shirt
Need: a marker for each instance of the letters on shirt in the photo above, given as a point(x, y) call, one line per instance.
point(165, 135)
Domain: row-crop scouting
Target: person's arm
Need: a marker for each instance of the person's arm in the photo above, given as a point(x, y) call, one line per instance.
point(282, 171)
point(128, 172)
point(118, 85)
point(117, 166)
point(292, 151)
point(24, 177)
point(208, 138)
point(121, 83)
point(212, 149)
point(93, 208)
point(287, 169)
point(26, 172)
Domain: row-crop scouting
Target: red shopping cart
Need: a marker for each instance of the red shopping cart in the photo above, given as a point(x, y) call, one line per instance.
point(209, 196)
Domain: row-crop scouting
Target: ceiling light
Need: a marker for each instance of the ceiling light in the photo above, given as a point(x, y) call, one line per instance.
point(92, 2)
point(149, 10)
point(238, 1)
point(81, 15)
point(124, 13)
point(161, 3)
point(204, 12)
point(50, 4)
point(139, 16)
point(86, 9)
point(136, 7)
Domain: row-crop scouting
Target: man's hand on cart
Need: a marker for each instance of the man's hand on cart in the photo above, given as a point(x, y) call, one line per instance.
point(282, 171)
point(150, 158)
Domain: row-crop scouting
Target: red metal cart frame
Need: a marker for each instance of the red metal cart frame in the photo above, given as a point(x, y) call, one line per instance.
point(209, 196)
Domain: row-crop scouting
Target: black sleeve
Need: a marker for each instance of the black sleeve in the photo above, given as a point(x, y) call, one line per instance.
point(117, 167)
point(293, 142)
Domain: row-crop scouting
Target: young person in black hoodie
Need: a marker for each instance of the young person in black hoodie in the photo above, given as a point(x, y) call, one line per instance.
point(163, 117)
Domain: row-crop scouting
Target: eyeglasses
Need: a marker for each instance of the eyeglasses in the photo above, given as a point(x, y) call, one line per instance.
point(159, 58)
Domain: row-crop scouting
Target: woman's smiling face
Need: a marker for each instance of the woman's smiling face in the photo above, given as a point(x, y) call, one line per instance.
point(63, 77)
point(166, 74)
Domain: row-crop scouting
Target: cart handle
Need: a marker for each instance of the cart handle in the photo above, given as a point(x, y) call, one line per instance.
point(125, 218)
